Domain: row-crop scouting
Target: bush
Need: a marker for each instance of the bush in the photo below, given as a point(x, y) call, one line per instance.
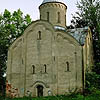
point(92, 82)
point(93, 96)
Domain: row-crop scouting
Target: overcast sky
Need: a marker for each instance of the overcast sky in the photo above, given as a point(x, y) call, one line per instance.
point(31, 7)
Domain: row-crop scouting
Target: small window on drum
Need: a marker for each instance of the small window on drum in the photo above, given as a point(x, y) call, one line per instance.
point(39, 35)
point(59, 21)
point(48, 16)
point(40, 17)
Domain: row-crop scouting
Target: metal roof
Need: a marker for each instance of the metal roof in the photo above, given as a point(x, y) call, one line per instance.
point(78, 33)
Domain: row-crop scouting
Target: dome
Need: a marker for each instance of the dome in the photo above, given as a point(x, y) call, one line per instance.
point(45, 1)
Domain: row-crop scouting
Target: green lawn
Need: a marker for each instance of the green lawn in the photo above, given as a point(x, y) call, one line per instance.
point(94, 96)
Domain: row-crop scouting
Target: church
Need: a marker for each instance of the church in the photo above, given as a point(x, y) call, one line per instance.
point(49, 59)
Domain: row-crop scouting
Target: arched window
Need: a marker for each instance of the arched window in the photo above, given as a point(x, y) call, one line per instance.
point(33, 69)
point(39, 35)
point(45, 68)
point(59, 17)
point(48, 16)
point(67, 66)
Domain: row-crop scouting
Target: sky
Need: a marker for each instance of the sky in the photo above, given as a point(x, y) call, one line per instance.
point(31, 7)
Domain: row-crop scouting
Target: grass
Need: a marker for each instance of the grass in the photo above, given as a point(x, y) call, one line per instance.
point(93, 96)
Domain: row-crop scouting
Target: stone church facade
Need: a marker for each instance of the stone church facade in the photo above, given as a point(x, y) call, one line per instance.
point(49, 59)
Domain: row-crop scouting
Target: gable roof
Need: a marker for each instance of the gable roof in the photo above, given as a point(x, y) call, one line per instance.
point(78, 33)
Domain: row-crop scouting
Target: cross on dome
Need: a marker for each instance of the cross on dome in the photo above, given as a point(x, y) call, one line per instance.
point(45, 1)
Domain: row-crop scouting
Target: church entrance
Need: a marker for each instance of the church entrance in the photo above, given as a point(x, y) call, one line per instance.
point(39, 90)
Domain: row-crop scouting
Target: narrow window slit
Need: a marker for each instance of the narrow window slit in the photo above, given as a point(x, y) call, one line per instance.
point(67, 66)
point(45, 68)
point(22, 61)
point(33, 69)
point(39, 35)
point(65, 20)
point(59, 17)
point(48, 16)
point(54, 58)
point(40, 16)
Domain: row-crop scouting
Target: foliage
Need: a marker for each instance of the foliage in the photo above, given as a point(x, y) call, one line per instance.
point(12, 25)
point(92, 83)
point(89, 15)
point(95, 96)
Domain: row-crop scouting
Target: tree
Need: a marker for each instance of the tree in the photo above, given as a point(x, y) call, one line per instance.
point(89, 15)
point(12, 25)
